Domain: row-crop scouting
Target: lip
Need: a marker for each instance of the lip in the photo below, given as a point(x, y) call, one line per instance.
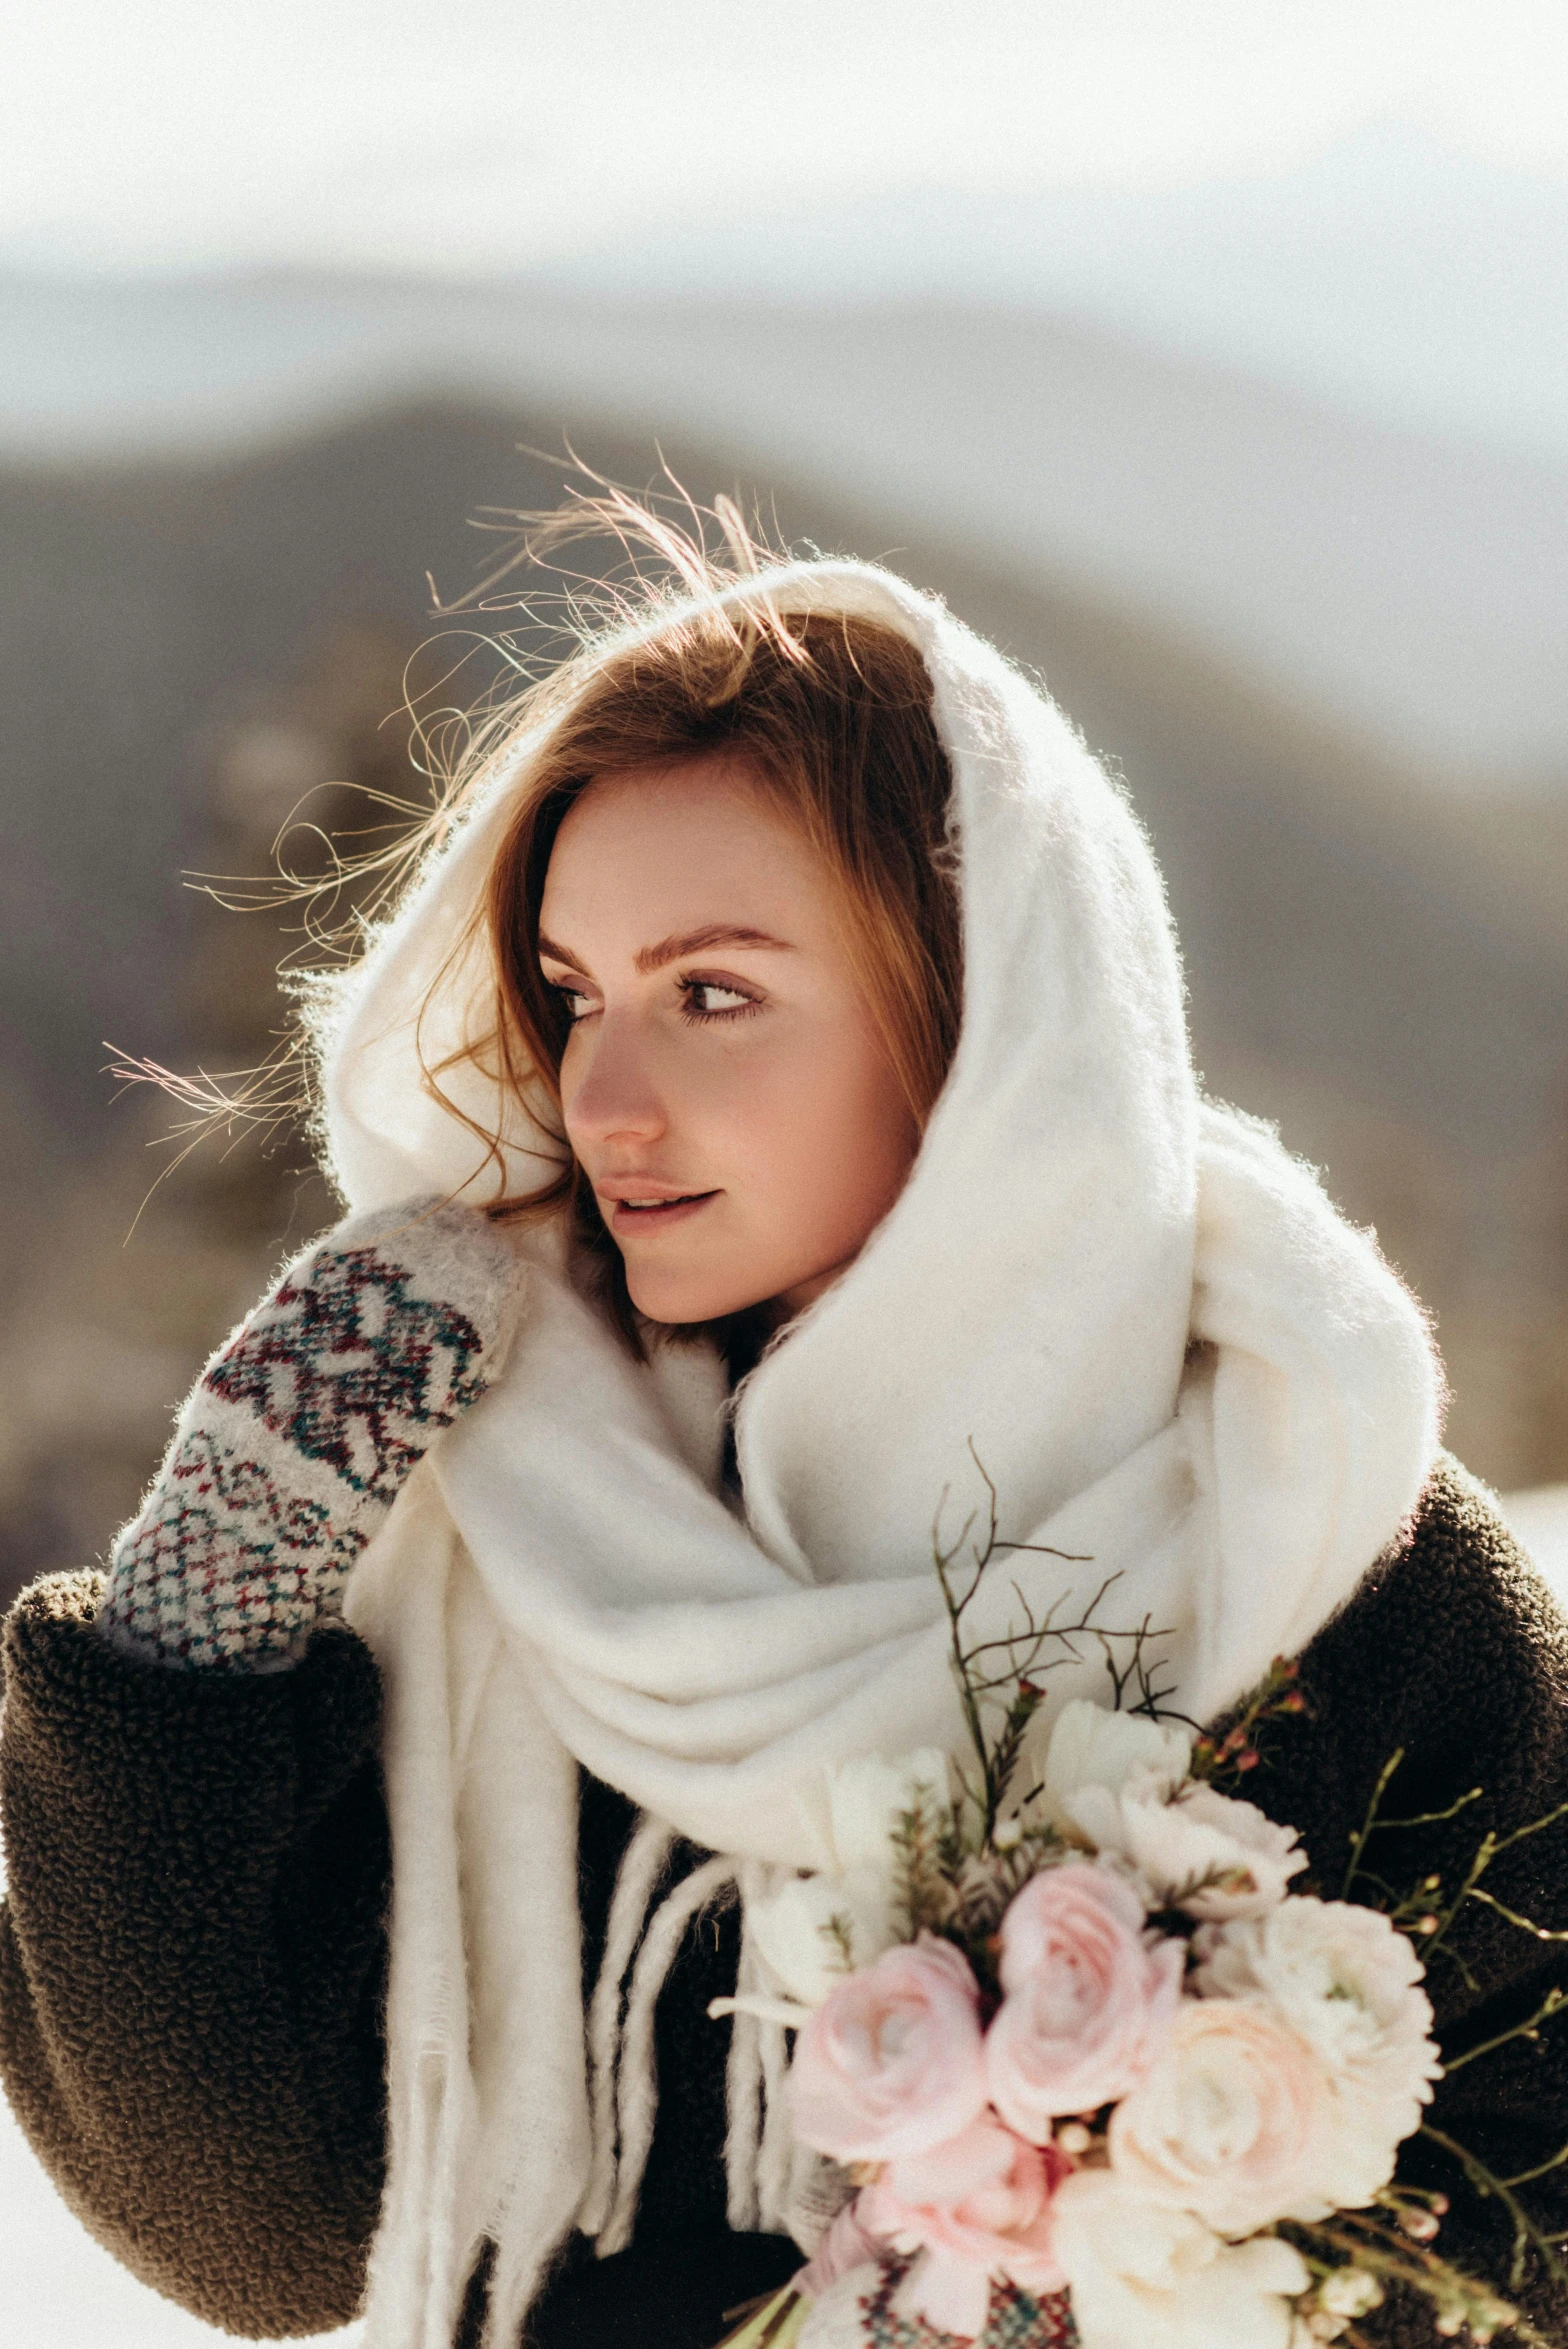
point(673, 1207)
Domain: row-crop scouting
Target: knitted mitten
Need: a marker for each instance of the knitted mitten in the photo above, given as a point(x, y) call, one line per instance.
point(300, 1432)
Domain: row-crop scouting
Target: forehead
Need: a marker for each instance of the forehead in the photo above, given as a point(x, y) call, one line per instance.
point(654, 850)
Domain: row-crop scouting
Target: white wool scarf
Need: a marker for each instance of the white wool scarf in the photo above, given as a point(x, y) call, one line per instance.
point(1135, 1311)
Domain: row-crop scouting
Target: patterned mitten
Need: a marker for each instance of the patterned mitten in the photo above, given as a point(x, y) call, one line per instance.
point(301, 1431)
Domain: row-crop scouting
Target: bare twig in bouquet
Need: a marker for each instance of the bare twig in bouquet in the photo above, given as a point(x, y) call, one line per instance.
point(1552, 2004)
point(1490, 1848)
point(1137, 1671)
point(1412, 1912)
point(1009, 1668)
point(1542, 2169)
point(1392, 2245)
point(1514, 1917)
point(1435, 1924)
point(1423, 1913)
point(1527, 2235)
point(1428, 1916)
point(1368, 1827)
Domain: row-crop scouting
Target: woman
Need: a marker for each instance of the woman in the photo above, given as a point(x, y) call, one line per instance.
point(768, 1112)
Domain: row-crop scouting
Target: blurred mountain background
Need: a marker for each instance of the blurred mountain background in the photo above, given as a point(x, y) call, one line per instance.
point(1323, 649)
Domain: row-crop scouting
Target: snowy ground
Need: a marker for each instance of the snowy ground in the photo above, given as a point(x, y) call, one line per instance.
point(58, 2290)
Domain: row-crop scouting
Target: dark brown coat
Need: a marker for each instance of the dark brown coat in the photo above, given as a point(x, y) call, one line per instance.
point(192, 1954)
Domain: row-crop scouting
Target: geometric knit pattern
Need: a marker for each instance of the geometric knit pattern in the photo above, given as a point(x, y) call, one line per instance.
point(221, 1567)
point(1014, 2320)
point(346, 1366)
point(298, 1437)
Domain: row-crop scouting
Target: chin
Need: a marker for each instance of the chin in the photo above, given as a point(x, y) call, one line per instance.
point(678, 1301)
point(680, 1306)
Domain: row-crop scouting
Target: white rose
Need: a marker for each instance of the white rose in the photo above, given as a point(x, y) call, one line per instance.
point(1204, 1853)
point(812, 1930)
point(1146, 2277)
point(1089, 1746)
point(1348, 1983)
point(866, 1798)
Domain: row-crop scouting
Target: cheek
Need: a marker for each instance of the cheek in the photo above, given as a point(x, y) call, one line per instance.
point(830, 1140)
point(573, 1065)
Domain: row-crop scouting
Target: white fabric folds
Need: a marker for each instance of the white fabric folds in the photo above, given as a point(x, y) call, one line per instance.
point(1144, 1319)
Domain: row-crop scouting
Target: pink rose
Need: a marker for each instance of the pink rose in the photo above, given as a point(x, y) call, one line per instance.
point(1090, 1997)
point(1232, 2123)
point(976, 2207)
point(891, 2062)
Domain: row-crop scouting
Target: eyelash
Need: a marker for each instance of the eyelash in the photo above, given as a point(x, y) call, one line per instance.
point(689, 989)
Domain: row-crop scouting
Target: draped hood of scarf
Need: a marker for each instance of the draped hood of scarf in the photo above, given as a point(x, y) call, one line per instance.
point(1133, 1309)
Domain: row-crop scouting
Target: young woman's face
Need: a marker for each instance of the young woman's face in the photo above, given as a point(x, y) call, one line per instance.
point(724, 1086)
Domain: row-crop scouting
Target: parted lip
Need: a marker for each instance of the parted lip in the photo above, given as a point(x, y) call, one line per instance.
point(624, 1188)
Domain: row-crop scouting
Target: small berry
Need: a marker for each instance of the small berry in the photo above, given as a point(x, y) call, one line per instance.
point(1350, 2292)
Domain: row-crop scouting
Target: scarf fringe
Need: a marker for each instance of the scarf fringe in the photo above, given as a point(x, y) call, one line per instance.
point(642, 1864)
point(743, 2074)
point(759, 2150)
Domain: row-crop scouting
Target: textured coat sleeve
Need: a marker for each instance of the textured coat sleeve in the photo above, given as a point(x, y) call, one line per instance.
point(1453, 1653)
point(192, 1955)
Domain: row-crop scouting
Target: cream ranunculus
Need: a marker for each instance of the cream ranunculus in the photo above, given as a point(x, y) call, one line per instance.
point(1088, 1746)
point(1233, 2123)
point(1348, 1983)
point(1203, 1853)
point(1146, 2277)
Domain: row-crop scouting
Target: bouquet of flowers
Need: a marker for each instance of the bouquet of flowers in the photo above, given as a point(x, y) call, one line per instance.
point(1075, 2059)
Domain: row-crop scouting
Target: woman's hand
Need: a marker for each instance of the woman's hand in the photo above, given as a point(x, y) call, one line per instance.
point(302, 1430)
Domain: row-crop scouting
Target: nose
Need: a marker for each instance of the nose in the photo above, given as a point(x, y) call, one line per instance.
point(608, 1089)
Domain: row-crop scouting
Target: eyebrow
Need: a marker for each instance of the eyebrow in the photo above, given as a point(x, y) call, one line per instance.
point(668, 950)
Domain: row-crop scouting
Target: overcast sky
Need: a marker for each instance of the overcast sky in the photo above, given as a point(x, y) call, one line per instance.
point(1367, 198)
point(482, 135)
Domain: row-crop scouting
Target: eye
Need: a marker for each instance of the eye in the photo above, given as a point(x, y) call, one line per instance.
point(574, 1002)
point(710, 999)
